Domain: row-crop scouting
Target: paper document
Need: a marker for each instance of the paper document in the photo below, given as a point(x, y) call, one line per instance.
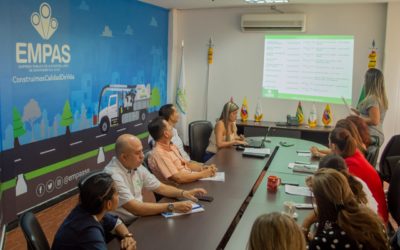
point(219, 176)
point(347, 106)
point(304, 205)
point(295, 190)
point(304, 153)
point(292, 165)
point(196, 208)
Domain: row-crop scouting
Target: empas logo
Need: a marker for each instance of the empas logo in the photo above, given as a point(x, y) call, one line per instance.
point(44, 24)
point(43, 53)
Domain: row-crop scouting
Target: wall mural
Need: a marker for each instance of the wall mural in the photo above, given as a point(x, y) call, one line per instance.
point(74, 76)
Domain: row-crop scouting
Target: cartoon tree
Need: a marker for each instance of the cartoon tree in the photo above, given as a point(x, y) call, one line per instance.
point(31, 113)
point(18, 126)
point(66, 117)
point(155, 97)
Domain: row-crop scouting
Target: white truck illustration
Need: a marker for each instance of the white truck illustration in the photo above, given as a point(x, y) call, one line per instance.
point(119, 104)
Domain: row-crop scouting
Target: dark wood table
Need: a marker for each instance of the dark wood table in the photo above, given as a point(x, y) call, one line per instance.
point(207, 229)
point(317, 134)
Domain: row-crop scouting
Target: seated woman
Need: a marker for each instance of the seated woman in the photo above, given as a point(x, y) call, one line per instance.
point(86, 226)
point(362, 128)
point(359, 188)
point(342, 143)
point(343, 224)
point(225, 131)
point(351, 127)
point(276, 231)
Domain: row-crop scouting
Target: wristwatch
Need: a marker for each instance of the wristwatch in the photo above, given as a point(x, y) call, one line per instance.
point(128, 235)
point(170, 207)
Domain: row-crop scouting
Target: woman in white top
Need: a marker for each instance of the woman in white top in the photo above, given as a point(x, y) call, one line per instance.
point(225, 132)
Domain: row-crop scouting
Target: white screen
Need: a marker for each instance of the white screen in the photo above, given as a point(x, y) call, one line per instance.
point(308, 67)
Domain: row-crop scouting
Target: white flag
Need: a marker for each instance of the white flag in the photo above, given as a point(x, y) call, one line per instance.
point(181, 103)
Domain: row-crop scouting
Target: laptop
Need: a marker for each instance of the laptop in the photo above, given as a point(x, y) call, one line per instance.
point(256, 143)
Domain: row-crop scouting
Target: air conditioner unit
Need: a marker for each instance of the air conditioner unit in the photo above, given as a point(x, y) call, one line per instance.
point(274, 22)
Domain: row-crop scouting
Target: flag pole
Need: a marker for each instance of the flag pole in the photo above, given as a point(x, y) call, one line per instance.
point(210, 61)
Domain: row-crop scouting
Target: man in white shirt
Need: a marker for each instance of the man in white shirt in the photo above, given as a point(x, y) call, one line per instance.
point(130, 177)
point(171, 115)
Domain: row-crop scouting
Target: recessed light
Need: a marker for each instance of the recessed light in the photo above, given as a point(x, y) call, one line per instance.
point(266, 1)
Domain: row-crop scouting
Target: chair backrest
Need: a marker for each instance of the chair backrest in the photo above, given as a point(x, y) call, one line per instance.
point(389, 157)
point(372, 154)
point(394, 194)
point(199, 134)
point(33, 232)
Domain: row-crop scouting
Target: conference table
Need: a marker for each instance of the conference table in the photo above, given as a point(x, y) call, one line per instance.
point(227, 220)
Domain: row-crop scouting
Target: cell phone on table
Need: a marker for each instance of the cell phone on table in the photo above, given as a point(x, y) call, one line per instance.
point(204, 198)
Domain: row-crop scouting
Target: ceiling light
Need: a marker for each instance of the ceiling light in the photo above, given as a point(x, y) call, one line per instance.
point(266, 1)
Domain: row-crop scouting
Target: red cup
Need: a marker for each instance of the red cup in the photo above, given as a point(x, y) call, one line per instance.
point(273, 183)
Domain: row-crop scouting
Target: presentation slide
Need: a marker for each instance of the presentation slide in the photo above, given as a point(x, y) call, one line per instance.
point(316, 68)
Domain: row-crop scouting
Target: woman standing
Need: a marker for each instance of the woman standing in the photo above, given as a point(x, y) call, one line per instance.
point(374, 106)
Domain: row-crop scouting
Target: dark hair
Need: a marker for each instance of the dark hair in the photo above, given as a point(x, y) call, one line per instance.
point(94, 189)
point(166, 111)
point(337, 203)
point(352, 128)
point(344, 141)
point(337, 162)
point(362, 128)
point(156, 127)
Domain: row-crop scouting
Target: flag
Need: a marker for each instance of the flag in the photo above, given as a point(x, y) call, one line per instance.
point(299, 113)
point(327, 115)
point(362, 95)
point(181, 103)
point(258, 115)
point(312, 118)
point(243, 111)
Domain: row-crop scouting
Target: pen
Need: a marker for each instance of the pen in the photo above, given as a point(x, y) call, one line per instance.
point(288, 183)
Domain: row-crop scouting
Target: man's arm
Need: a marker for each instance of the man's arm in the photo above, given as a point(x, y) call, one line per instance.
point(148, 208)
point(187, 177)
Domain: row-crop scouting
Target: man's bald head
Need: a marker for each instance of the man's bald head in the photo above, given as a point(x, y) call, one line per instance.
point(125, 143)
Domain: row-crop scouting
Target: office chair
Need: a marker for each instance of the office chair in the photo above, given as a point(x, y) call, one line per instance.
point(394, 201)
point(34, 235)
point(199, 134)
point(390, 157)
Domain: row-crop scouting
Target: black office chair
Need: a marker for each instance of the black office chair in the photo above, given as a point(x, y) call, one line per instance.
point(390, 157)
point(34, 235)
point(199, 134)
point(394, 201)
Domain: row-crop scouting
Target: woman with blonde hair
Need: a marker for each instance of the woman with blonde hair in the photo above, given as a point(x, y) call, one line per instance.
point(225, 131)
point(375, 104)
point(343, 223)
point(276, 231)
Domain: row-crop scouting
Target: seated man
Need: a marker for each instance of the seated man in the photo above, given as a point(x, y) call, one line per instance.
point(130, 177)
point(171, 115)
point(167, 163)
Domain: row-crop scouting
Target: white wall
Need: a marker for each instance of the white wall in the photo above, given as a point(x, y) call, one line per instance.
point(238, 57)
point(391, 124)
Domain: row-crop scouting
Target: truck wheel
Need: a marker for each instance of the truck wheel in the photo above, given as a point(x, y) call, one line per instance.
point(104, 125)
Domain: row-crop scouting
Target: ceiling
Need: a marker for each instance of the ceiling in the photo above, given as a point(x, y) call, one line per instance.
point(196, 4)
